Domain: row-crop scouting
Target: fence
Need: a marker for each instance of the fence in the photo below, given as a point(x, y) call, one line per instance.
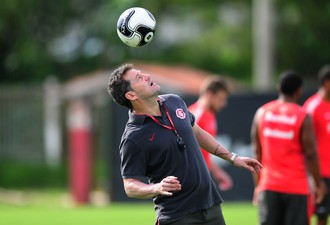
point(35, 137)
point(22, 133)
point(21, 123)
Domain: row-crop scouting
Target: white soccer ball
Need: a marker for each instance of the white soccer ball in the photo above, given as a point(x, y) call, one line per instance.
point(136, 27)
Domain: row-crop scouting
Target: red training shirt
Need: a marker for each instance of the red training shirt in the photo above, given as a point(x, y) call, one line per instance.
point(207, 121)
point(319, 110)
point(283, 161)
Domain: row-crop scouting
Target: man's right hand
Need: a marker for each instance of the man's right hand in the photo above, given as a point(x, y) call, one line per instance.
point(167, 186)
point(320, 192)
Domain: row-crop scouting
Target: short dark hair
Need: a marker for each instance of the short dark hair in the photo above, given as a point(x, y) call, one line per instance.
point(324, 74)
point(118, 87)
point(214, 84)
point(290, 81)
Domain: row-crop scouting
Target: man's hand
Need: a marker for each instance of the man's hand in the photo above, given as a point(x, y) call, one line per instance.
point(167, 186)
point(255, 196)
point(222, 177)
point(135, 188)
point(320, 192)
point(225, 183)
point(248, 163)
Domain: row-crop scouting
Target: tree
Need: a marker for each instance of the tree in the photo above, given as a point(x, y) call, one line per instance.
point(69, 37)
point(27, 29)
point(302, 35)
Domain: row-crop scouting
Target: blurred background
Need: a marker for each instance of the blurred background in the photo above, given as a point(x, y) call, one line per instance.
point(59, 129)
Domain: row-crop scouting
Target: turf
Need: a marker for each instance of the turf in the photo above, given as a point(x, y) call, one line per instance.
point(116, 215)
point(113, 214)
point(57, 208)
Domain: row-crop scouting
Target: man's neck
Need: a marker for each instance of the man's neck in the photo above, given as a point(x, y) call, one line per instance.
point(287, 99)
point(147, 107)
point(203, 102)
point(324, 95)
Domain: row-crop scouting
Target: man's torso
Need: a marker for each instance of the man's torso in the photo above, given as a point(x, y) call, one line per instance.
point(150, 150)
point(207, 121)
point(320, 113)
point(284, 169)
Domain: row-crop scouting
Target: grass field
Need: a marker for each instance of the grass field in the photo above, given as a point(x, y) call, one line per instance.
point(115, 214)
point(50, 210)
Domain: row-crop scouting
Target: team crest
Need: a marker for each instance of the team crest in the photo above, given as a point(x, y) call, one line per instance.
point(180, 114)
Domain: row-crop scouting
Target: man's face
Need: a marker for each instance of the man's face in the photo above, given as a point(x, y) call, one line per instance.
point(218, 100)
point(326, 86)
point(141, 84)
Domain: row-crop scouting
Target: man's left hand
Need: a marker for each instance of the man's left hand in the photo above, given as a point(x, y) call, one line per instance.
point(248, 163)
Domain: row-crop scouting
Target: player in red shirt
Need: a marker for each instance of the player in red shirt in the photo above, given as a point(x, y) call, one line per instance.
point(318, 106)
point(213, 97)
point(283, 141)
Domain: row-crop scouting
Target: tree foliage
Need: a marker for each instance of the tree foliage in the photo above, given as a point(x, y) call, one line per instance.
point(302, 35)
point(27, 29)
point(69, 37)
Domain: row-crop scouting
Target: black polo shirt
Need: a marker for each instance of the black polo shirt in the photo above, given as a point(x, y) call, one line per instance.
point(148, 149)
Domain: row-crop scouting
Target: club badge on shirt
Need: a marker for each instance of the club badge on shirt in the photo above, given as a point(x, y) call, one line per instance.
point(180, 114)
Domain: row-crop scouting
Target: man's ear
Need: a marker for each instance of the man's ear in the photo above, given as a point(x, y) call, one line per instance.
point(278, 87)
point(130, 95)
point(299, 92)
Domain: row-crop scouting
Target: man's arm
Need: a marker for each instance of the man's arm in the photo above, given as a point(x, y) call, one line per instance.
point(222, 177)
point(255, 141)
point(208, 142)
point(311, 157)
point(135, 188)
point(256, 149)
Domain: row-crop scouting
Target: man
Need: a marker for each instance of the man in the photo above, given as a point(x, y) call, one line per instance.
point(161, 141)
point(318, 106)
point(283, 141)
point(213, 97)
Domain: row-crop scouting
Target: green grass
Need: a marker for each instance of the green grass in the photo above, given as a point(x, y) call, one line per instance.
point(114, 214)
point(51, 210)
point(240, 213)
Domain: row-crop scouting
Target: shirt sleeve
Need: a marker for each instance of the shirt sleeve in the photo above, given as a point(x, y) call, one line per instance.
point(191, 118)
point(190, 115)
point(133, 161)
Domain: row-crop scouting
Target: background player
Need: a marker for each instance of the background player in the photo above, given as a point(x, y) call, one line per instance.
point(213, 97)
point(283, 140)
point(318, 106)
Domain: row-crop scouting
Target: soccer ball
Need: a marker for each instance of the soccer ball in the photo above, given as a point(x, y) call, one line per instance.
point(136, 27)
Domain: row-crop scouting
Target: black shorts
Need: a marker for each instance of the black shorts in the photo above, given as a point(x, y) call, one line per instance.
point(276, 208)
point(323, 209)
point(211, 216)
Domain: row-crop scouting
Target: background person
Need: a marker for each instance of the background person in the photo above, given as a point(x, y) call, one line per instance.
point(213, 97)
point(318, 106)
point(283, 140)
point(161, 141)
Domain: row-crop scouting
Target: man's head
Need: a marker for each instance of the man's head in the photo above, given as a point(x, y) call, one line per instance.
point(324, 78)
point(118, 86)
point(290, 84)
point(215, 92)
point(128, 86)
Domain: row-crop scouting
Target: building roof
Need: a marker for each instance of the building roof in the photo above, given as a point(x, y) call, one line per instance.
point(176, 79)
